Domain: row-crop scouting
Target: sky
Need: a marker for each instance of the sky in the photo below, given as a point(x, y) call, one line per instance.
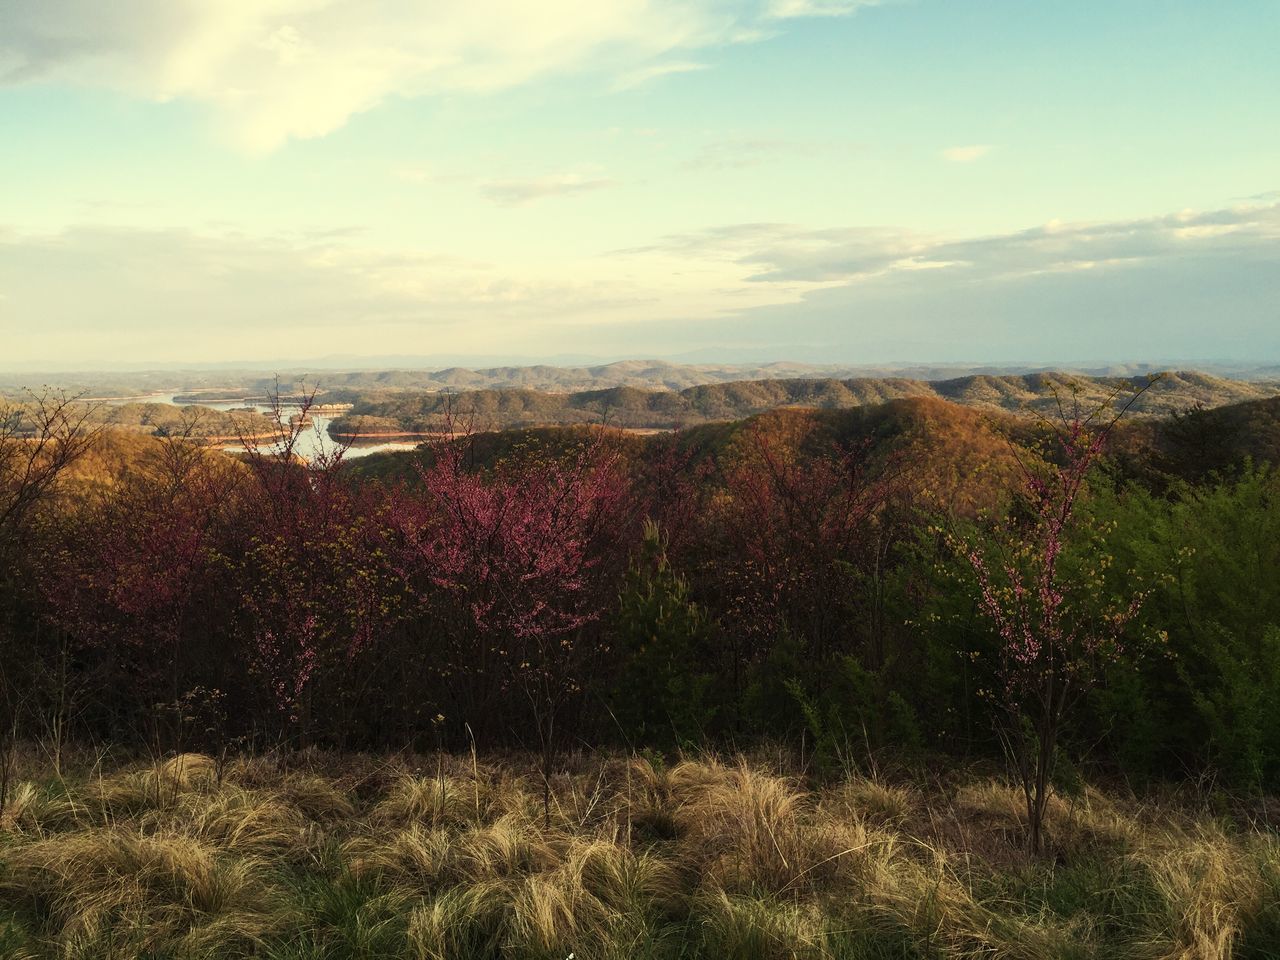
point(198, 181)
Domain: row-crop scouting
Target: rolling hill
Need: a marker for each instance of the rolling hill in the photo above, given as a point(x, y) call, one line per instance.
point(635, 408)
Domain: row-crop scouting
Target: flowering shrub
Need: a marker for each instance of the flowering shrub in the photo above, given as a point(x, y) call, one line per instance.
point(513, 567)
point(788, 538)
point(1057, 627)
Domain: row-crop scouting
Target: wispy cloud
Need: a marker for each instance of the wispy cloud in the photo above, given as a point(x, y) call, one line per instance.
point(966, 154)
point(275, 70)
point(787, 254)
point(508, 191)
point(738, 152)
point(1189, 284)
point(517, 192)
point(240, 295)
point(1195, 283)
point(787, 9)
point(655, 71)
point(410, 174)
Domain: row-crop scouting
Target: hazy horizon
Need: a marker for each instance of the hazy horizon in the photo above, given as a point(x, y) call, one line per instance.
point(318, 366)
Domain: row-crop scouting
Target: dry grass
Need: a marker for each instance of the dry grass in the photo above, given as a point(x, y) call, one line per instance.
point(121, 891)
point(1210, 887)
point(326, 857)
point(889, 805)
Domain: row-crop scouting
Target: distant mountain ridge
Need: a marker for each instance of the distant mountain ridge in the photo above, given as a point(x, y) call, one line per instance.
point(636, 408)
point(648, 374)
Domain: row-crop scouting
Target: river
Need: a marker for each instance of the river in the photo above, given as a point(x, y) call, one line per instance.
point(311, 443)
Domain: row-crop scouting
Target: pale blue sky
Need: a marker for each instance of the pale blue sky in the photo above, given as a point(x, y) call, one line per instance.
point(209, 180)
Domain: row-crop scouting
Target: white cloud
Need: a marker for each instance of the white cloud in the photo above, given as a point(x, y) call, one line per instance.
point(412, 174)
point(966, 154)
point(272, 70)
point(787, 9)
point(655, 71)
point(517, 192)
point(790, 255)
point(737, 153)
point(87, 295)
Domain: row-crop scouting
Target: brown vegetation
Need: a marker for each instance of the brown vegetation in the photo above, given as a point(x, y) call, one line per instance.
point(433, 857)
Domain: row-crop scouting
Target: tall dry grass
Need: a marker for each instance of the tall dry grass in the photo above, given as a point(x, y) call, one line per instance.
point(444, 858)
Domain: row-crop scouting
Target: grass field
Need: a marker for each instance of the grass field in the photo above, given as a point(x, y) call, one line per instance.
point(315, 856)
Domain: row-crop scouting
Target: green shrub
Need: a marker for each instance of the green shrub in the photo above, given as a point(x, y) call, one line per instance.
point(661, 635)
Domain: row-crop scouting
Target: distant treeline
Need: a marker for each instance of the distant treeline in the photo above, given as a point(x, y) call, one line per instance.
point(195, 422)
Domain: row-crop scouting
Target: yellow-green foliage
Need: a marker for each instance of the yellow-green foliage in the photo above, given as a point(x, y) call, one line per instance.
point(341, 857)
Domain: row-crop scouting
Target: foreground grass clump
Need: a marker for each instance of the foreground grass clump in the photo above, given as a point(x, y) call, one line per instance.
point(355, 857)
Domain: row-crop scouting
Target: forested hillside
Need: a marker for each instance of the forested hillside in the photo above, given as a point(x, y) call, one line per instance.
point(797, 543)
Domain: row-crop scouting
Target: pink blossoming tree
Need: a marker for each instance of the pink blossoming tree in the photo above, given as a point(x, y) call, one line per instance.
point(515, 565)
point(1039, 585)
